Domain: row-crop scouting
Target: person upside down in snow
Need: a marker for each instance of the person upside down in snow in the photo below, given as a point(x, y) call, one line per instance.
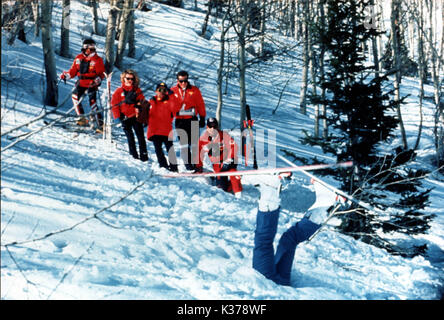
point(222, 152)
point(277, 266)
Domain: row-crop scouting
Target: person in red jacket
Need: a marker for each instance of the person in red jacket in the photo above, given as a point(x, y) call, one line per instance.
point(89, 67)
point(125, 102)
point(222, 152)
point(160, 126)
point(190, 106)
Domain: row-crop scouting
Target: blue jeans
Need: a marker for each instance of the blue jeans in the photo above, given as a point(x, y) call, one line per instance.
point(277, 267)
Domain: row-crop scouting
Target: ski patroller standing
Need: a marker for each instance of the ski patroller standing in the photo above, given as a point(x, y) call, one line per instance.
point(277, 266)
point(160, 126)
point(126, 103)
point(190, 106)
point(222, 152)
point(90, 69)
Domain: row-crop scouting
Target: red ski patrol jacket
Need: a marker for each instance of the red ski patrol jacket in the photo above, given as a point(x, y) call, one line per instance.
point(190, 102)
point(221, 148)
point(161, 116)
point(87, 68)
point(118, 101)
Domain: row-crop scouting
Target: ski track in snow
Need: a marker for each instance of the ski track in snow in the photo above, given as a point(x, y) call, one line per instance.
point(171, 238)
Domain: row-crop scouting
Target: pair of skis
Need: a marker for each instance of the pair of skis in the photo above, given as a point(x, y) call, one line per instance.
point(260, 171)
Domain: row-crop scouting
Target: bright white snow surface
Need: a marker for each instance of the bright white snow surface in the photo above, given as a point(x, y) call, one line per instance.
point(174, 238)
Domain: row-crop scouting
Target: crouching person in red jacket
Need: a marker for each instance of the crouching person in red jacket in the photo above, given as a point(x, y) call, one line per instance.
point(160, 126)
point(222, 152)
point(125, 103)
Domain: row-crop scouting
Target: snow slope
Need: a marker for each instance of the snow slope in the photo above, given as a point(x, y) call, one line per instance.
point(81, 219)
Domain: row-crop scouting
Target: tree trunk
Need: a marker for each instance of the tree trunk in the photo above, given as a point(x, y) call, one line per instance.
point(110, 36)
point(322, 69)
point(306, 61)
point(242, 12)
point(124, 27)
point(421, 66)
point(395, 26)
point(51, 98)
point(36, 12)
point(262, 30)
point(16, 22)
point(221, 69)
point(131, 37)
point(313, 70)
point(439, 113)
point(207, 16)
point(64, 29)
point(93, 5)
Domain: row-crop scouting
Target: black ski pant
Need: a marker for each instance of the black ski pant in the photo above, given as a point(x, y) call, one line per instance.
point(158, 141)
point(92, 96)
point(188, 139)
point(131, 126)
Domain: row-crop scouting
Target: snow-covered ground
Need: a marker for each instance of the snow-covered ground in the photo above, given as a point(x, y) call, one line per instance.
point(81, 219)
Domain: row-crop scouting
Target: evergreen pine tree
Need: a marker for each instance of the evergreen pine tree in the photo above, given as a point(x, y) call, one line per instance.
point(359, 113)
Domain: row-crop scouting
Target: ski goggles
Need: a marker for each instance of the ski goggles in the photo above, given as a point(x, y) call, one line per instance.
point(91, 47)
point(212, 125)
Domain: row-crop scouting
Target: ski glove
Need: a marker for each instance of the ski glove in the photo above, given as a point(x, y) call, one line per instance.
point(201, 122)
point(122, 117)
point(227, 165)
point(97, 81)
point(64, 76)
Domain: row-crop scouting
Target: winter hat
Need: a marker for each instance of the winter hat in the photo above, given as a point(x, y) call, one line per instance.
point(162, 84)
point(88, 42)
point(212, 123)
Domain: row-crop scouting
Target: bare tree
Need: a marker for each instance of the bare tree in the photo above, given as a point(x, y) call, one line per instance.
point(207, 16)
point(220, 70)
point(436, 65)
point(395, 20)
point(14, 14)
point(131, 36)
point(242, 11)
point(48, 54)
point(95, 25)
point(305, 59)
point(64, 29)
point(126, 17)
point(36, 14)
point(417, 5)
point(111, 35)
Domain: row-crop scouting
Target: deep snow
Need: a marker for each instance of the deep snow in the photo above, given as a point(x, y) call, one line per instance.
point(92, 223)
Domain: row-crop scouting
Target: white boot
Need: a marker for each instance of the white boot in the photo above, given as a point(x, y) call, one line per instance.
point(325, 198)
point(269, 187)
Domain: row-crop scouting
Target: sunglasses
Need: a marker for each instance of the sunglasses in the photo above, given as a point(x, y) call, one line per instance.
point(163, 90)
point(182, 81)
point(91, 48)
point(130, 79)
point(212, 126)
